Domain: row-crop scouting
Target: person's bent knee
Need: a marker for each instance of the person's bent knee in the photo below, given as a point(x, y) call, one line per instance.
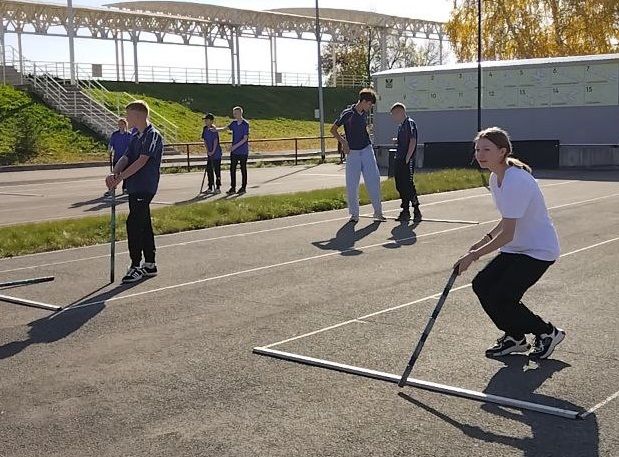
point(480, 286)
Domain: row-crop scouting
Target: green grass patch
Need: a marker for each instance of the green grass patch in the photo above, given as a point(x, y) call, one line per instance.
point(259, 102)
point(30, 132)
point(53, 235)
point(188, 118)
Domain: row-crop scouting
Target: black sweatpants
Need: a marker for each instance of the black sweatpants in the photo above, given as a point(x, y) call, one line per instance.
point(234, 161)
point(140, 236)
point(500, 287)
point(213, 170)
point(404, 184)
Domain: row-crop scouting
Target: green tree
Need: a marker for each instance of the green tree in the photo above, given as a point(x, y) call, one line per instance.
point(351, 58)
point(523, 29)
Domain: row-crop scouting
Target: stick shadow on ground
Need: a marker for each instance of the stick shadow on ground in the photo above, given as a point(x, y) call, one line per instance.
point(277, 178)
point(346, 237)
point(198, 198)
point(59, 325)
point(550, 435)
point(99, 203)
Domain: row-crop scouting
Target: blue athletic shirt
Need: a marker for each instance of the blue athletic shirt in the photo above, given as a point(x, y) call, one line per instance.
point(209, 136)
point(238, 132)
point(149, 143)
point(406, 131)
point(355, 127)
point(119, 141)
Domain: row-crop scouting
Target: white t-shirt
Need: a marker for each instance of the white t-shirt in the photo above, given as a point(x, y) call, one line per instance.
point(519, 197)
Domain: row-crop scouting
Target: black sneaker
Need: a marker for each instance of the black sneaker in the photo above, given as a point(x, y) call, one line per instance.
point(134, 274)
point(231, 191)
point(416, 214)
point(404, 216)
point(149, 269)
point(545, 343)
point(241, 191)
point(506, 345)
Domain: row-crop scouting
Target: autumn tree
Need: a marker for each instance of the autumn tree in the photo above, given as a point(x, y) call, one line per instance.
point(515, 29)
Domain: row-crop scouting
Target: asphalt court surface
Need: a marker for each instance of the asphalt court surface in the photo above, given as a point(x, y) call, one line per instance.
point(165, 367)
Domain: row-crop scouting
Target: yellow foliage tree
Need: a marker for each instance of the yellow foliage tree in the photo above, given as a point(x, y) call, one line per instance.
point(521, 29)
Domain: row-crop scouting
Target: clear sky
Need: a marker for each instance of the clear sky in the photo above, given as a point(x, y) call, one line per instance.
point(293, 55)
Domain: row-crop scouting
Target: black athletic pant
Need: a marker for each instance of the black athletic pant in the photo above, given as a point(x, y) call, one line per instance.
point(140, 230)
point(213, 170)
point(242, 161)
point(500, 287)
point(404, 184)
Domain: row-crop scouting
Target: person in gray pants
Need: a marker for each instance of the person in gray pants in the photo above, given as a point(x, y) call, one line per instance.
point(359, 153)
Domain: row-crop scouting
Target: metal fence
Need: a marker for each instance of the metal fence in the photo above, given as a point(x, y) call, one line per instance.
point(293, 149)
point(110, 72)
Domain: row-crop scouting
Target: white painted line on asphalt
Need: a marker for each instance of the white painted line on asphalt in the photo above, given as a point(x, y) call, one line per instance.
point(599, 405)
point(16, 194)
point(419, 300)
point(202, 240)
point(320, 256)
point(360, 318)
point(485, 194)
point(54, 182)
point(273, 229)
point(266, 267)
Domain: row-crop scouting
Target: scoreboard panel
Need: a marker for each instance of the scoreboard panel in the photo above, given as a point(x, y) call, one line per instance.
point(517, 85)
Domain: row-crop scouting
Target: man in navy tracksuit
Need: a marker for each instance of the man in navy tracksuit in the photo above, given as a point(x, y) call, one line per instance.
point(404, 166)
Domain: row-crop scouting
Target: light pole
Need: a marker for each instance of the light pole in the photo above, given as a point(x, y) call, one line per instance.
point(70, 32)
point(321, 109)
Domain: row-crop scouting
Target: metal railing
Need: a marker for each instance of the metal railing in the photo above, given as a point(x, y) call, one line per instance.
point(67, 99)
point(291, 148)
point(109, 72)
point(85, 102)
point(119, 100)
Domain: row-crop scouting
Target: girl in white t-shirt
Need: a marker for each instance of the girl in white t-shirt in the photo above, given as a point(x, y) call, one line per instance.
point(527, 244)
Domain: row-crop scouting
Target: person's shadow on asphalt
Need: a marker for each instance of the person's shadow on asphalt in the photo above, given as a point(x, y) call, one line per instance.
point(346, 237)
point(403, 234)
point(61, 324)
point(551, 436)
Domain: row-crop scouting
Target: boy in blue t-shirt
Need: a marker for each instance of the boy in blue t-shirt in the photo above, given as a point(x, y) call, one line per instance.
point(118, 144)
point(210, 137)
point(239, 151)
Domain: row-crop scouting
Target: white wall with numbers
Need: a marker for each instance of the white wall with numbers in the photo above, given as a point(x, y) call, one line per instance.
point(518, 93)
